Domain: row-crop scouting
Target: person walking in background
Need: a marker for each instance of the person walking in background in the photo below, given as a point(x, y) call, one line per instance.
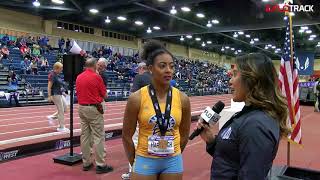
point(143, 78)
point(91, 93)
point(55, 85)
point(316, 91)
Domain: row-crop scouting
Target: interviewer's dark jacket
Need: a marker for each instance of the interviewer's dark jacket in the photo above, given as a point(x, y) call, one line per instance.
point(245, 146)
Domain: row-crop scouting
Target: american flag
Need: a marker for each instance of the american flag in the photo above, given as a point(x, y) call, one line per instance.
point(289, 80)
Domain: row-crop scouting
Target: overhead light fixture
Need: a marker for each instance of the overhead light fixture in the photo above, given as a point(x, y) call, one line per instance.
point(94, 11)
point(162, 0)
point(308, 31)
point(248, 36)
point(291, 13)
point(215, 21)
point(235, 52)
point(57, 1)
point(269, 45)
point(318, 45)
point(273, 47)
point(36, 3)
point(227, 47)
point(200, 15)
point(198, 39)
point(156, 28)
point(239, 50)
point(235, 35)
point(209, 25)
point(139, 23)
point(301, 30)
point(266, 47)
point(121, 18)
point(278, 49)
point(189, 36)
point(173, 10)
point(240, 32)
point(209, 42)
point(265, 0)
point(222, 49)
point(275, 51)
point(256, 39)
point(232, 49)
point(313, 36)
point(311, 39)
point(203, 44)
point(304, 27)
point(181, 38)
point(185, 9)
point(107, 20)
point(252, 41)
point(149, 30)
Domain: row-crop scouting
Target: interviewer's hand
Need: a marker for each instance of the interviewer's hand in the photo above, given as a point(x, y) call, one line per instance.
point(206, 135)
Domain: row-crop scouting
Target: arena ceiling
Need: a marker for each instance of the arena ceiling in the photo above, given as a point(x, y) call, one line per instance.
point(232, 22)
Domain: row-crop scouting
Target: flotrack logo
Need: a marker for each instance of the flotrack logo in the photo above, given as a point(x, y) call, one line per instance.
point(62, 144)
point(288, 6)
point(8, 155)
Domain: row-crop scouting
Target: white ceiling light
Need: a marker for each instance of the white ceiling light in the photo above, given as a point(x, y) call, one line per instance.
point(162, 0)
point(304, 27)
point(278, 49)
point(318, 45)
point(200, 15)
point(240, 32)
point(209, 25)
point(252, 41)
point(36, 3)
point(265, 0)
point(232, 49)
point(275, 51)
point(311, 39)
point(269, 45)
point(173, 10)
point(301, 30)
point(138, 23)
point(308, 31)
point(235, 52)
point(149, 30)
point(235, 35)
point(198, 39)
point(209, 42)
point(57, 1)
point(222, 49)
point(215, 21)
point(185, 9)
point(107, 20)
point(227, 47)
point(94, 11)
point(156, 28)
point(248, 36)
point(121, 18)
point(266, 47)
point(273, 47)
point(256, 39)
point(181, 38)
point(239, 50)
point(203, 44)
point(189, 36)
point(313, 36)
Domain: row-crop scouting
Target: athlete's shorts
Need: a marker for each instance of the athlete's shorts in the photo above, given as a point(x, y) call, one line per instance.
point(152, 166)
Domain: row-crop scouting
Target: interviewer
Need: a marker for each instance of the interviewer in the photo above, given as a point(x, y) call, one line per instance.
point(246, 145)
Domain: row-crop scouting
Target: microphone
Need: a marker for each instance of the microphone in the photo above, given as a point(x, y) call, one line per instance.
point(209, 116)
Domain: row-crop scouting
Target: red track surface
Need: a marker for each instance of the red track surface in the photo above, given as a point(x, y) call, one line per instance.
point(196, 161)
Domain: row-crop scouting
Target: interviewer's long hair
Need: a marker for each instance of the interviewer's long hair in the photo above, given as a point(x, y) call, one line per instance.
point(259, 77)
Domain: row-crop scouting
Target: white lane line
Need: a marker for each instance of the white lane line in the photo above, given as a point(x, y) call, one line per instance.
point(49, 135)
point(31, 117)
point(15, 140)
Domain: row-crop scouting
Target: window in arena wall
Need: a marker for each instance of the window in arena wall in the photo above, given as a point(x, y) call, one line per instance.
point(76, 28)
point(81, 29)
point(71, 27)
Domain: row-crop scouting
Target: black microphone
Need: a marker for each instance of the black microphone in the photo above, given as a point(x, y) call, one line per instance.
point(209, 116)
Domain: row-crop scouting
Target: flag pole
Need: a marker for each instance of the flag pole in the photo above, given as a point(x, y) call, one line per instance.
point(291, 62)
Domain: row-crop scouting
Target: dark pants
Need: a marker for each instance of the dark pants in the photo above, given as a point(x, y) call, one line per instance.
point(13, 94)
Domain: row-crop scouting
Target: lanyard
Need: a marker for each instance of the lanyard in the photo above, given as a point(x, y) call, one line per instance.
point(163, 121)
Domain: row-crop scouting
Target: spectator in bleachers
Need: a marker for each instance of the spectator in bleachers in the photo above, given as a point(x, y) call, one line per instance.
point(13, 87)
point(68, 45)
point(29, 42)
point(36, 50)
point(143, 78)
point(34, 67)
point(5, 39)
point(55, 85)
point(5, 53)
point(25, 51)
point(25, 66)
point(44, 64)
point(101, 70)
point(61, 43)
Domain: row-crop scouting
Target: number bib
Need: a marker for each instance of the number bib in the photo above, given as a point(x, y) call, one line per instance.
point(161, 146)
